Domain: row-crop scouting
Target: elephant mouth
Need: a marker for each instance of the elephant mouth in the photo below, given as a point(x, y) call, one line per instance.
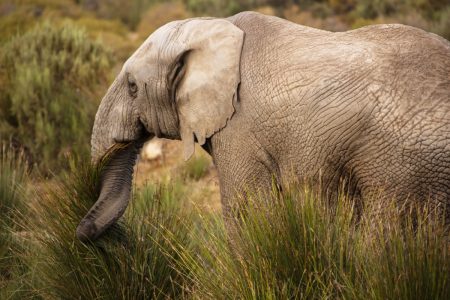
point(115, 189)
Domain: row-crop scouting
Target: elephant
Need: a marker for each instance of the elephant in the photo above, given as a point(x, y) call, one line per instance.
point(271, 100)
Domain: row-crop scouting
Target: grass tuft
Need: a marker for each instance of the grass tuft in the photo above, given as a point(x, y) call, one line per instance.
point(299, 246)
point(195, 168)
point(13, 179)
point(130, 261)
point(289, 245)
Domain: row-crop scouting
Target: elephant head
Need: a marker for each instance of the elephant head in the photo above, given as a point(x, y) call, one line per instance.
point(181, 83)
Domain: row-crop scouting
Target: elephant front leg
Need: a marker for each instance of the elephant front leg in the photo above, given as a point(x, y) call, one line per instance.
point(241, 181)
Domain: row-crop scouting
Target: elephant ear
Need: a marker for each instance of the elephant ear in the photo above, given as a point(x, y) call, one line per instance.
point(205, 94)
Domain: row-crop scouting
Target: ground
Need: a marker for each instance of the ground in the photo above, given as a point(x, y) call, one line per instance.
point(203, 193)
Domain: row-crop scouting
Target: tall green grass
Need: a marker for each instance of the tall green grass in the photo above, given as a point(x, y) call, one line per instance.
point(287, 245)
point(131, 261)
point(299, 246)
point(13, 178)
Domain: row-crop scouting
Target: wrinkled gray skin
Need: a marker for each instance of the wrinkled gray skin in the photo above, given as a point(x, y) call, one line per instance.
point(370, 105)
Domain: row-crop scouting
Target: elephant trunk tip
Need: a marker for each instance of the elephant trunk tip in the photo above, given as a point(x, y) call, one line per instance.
point(86, 231)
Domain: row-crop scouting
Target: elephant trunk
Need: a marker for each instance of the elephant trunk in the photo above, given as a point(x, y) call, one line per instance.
point(116, 179)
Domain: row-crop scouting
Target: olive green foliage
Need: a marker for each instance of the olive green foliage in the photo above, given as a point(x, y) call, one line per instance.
point(213, 7)
point(441, 24)
point(18, 16)
point(429, 15)
point(297, 246)
point(228, 7)
point(128, 12)
point(66, 75)
point(372, 9)
point(13, 177)
point(376, 8)
point(49, 76)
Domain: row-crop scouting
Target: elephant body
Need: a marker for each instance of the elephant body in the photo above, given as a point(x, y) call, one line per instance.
point(369, 106)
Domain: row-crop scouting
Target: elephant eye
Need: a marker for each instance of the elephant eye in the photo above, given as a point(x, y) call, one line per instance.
point(132, 88)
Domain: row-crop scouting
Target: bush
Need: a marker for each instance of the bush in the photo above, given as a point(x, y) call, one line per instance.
point(342, 6)
point(113, 34)
point(49, 78)
point(128, 12)
point(158, 15)
point(17, 16)
point(442, 25)
point(226, 8)
point(433, 13)
point(371, 9)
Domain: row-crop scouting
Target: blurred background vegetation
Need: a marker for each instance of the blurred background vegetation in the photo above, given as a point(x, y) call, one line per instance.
point(57, 57)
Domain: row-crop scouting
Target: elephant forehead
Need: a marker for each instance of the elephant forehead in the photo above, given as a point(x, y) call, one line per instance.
point(143, 69)
point(162, 40)
point(156, 52)
point(142, 61)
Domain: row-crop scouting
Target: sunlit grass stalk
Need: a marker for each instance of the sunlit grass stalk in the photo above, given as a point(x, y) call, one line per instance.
point(297, 245)
point(292, 244)
point(126, 263)
point(13, 178)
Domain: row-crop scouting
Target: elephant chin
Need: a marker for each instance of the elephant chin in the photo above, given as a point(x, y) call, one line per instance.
point(116, 179)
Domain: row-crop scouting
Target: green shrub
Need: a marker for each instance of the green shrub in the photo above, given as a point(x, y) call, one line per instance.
point(128, 12)
point(435, 11)
point(342, 6)
point(430, 9)
point(158, 15)
point(17, 16)
point(112, 34)
point(369, 9)
point(48, 95)
point(210, 7)
point(441, 26)
point(226, 8)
